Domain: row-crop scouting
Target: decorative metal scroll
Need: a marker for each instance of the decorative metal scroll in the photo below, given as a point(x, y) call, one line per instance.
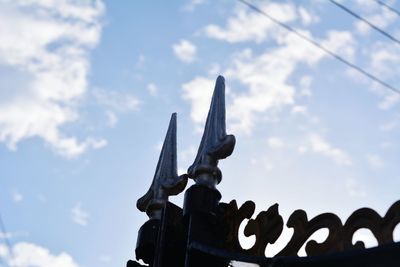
point(268, 226)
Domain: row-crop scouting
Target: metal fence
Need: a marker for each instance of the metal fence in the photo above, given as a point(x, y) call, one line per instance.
point(205, 232)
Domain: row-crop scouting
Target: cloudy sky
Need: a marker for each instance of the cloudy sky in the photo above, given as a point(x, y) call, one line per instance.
point(87, 88)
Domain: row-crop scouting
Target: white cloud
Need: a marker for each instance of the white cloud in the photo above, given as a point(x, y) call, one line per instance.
point(267, 75)
point(375, 161)
point(140, 62)
point(79, 216)
point(96, 144)
point(187, 155)
point(69, 147)
point(44, 50)
point(198, 92)
point(354, 189)
point(321, 146)
point(384, 57)
point(115, 102)
point(366, 5)
point(193, 4)
point(185, 51)
point(264, 163)
point(340, 42)
point(302, 149)
point(380, 17)
point(152, 89)
point(388, 126)
point(246, 25)
point(275, 142)
point(299, 110)
point(214, 70)
point(29, 254)
point(112, 118)
point(17, 196)
point(9, 235)
point(121, 102)
point(390, 99)
point(306, 17)
point(305, 86)
point(384, 61)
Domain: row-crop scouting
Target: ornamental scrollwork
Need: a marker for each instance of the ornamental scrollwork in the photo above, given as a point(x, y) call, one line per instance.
point(268, 226)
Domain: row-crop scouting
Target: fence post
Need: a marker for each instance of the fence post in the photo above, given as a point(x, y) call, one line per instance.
point(202, 199)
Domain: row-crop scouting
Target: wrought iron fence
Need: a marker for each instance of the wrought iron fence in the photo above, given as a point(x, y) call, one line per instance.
point(205, 232)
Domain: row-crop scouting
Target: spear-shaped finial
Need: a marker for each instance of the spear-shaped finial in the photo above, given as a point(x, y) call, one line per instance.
point(166, 181)
point(215, 143)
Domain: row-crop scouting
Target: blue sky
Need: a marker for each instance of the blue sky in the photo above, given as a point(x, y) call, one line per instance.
point(87, 89)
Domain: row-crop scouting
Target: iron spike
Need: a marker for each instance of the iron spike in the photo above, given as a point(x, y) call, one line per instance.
point(215, 143)
point(166, 181)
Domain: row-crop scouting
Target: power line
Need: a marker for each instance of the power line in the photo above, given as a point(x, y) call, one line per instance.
point(388, 7)
point(6, 240)
point(326, 50)
point(383, 32)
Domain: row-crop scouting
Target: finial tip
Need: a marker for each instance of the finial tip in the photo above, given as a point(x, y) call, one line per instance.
point(215, 143)
point(166, 181)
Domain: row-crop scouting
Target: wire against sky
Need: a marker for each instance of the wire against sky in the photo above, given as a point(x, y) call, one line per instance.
point(383, 32)
point(388, 7)
point(6, 240)
point(326, 50)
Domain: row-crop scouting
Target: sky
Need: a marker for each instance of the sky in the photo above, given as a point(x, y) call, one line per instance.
point(88, 86)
